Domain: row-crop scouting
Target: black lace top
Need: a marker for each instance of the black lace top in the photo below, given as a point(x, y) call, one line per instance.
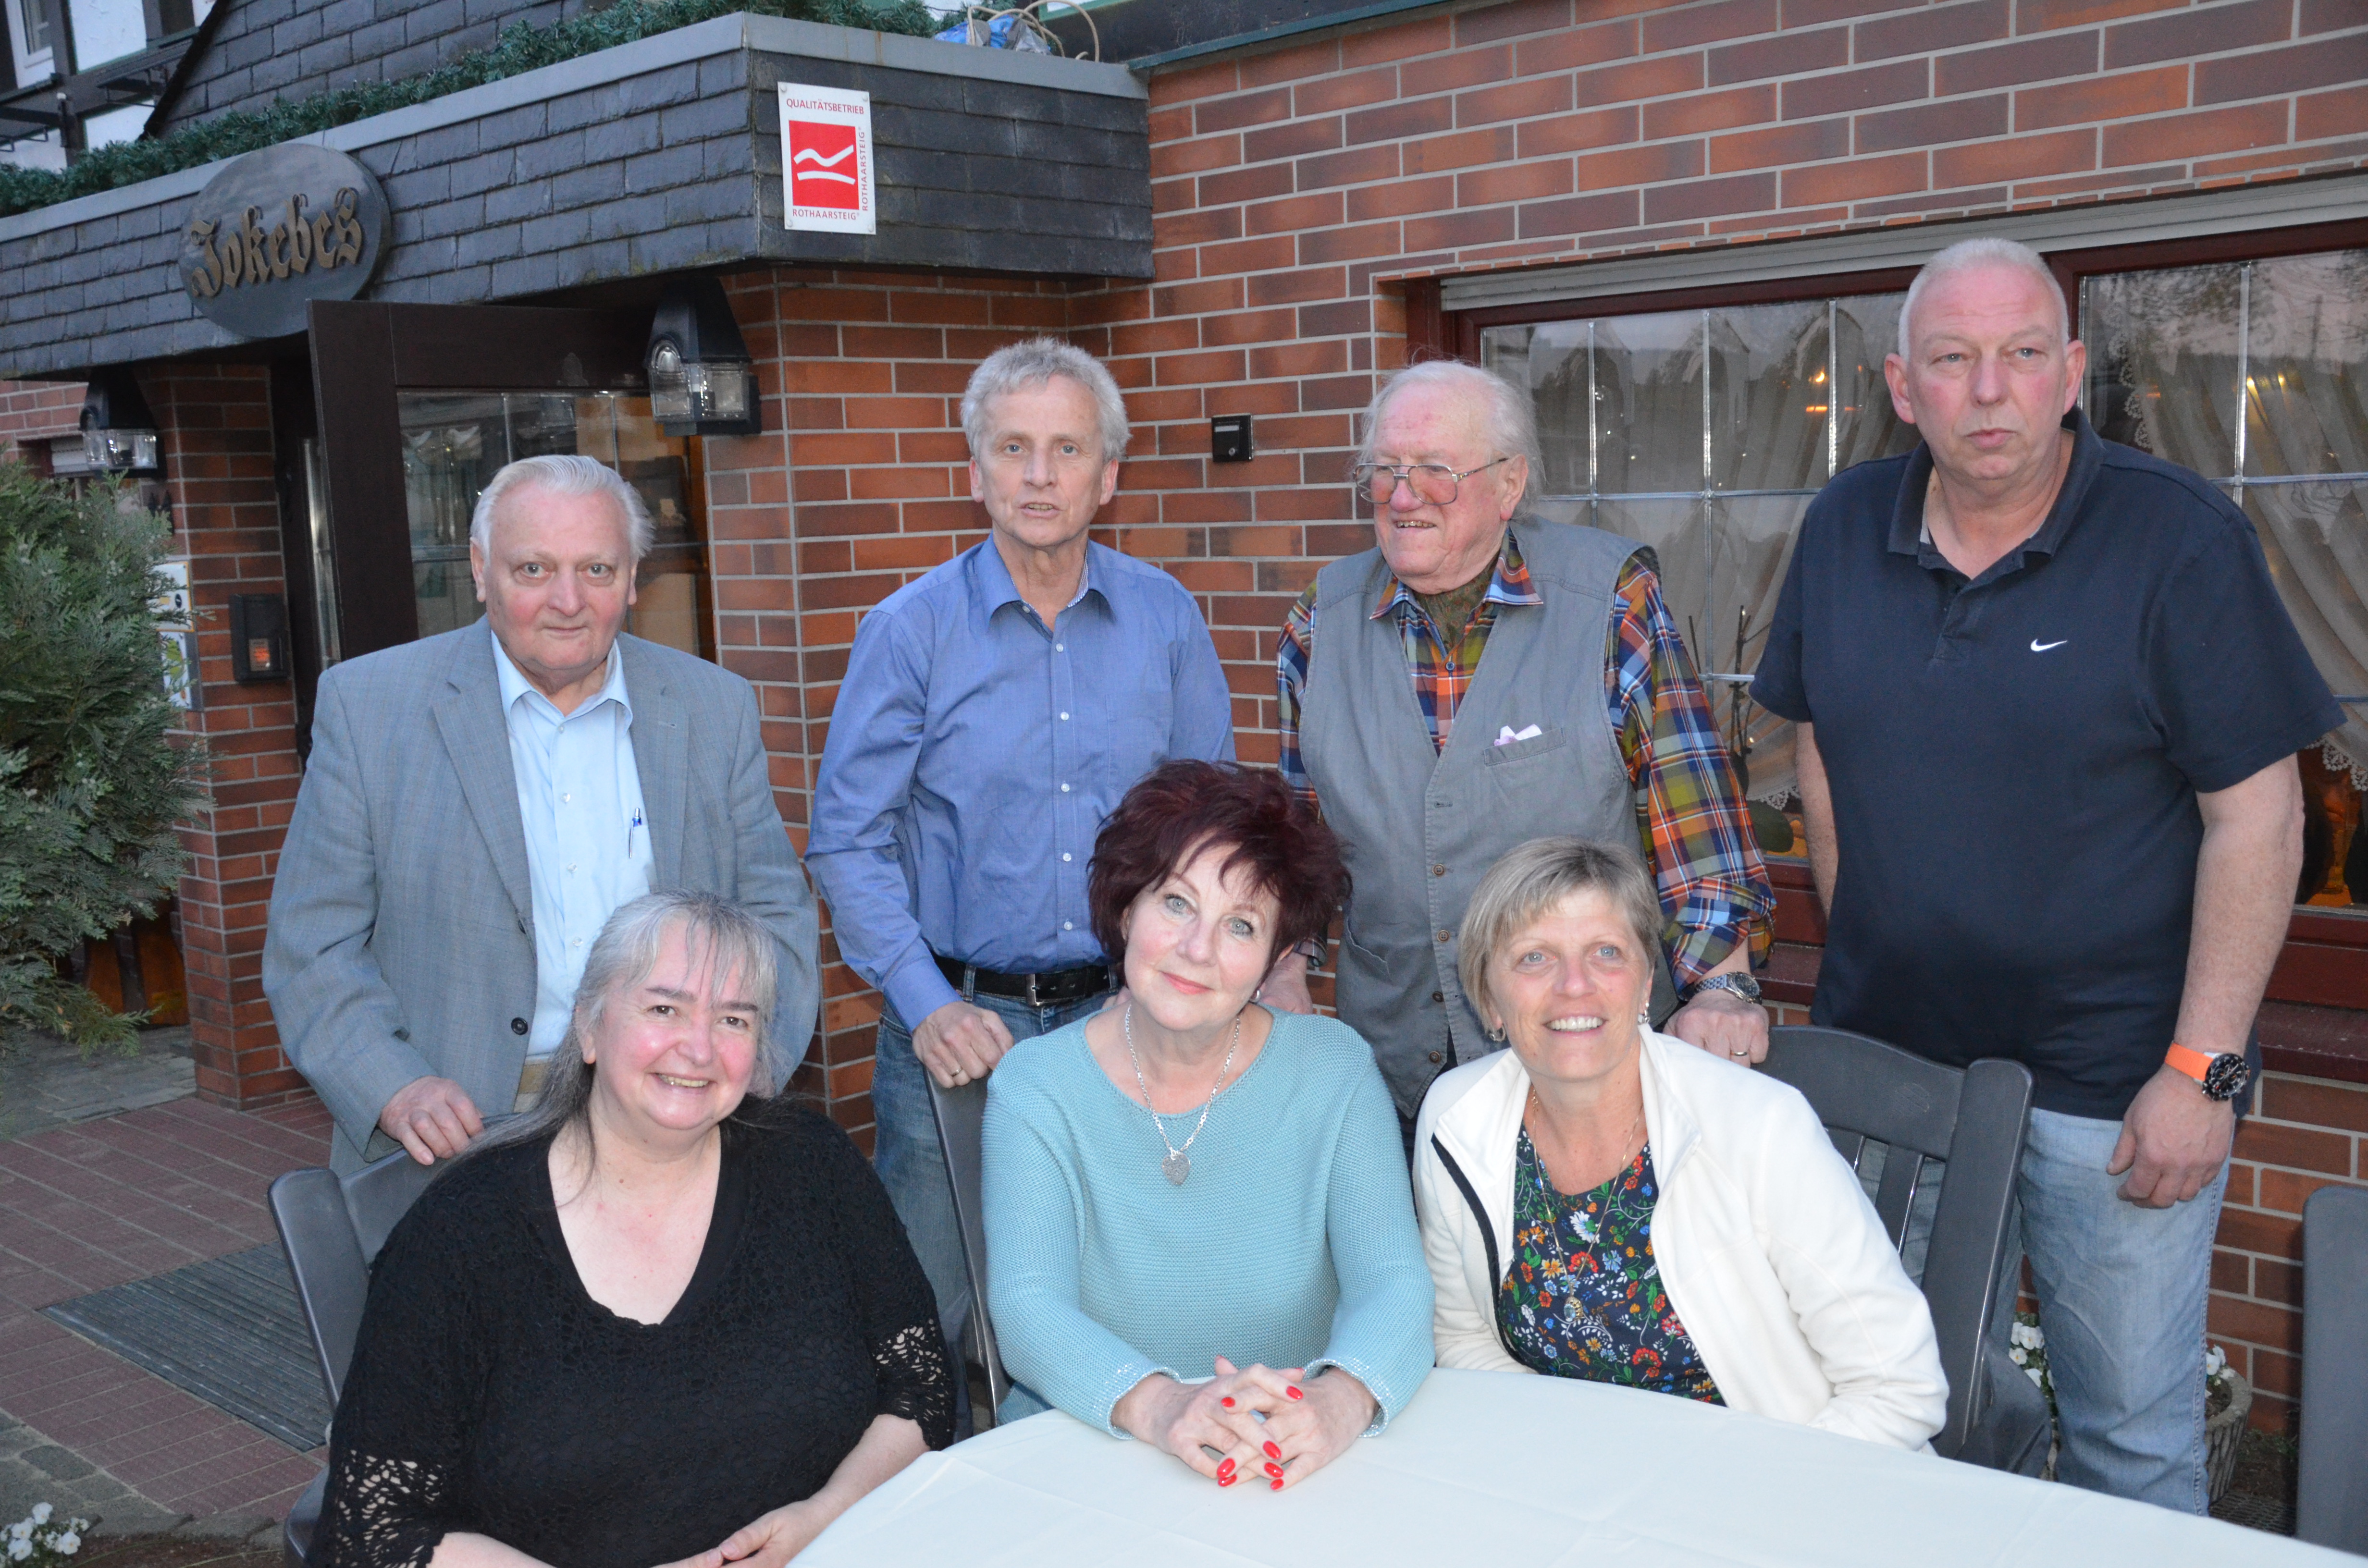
point(490, 1393)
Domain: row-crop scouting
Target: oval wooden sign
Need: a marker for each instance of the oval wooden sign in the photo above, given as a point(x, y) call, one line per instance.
point(277, 229)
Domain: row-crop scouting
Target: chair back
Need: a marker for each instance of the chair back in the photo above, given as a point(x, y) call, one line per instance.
point(1867, 1092)
point(2331, 1490)
point(962, 1128)
point(331, 1229)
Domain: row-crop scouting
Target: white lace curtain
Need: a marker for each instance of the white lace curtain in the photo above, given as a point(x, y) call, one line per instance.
point(2178, 353)
point(1705, 434)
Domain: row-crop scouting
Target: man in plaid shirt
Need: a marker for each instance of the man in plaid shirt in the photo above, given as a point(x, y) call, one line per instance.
point(1448, 455)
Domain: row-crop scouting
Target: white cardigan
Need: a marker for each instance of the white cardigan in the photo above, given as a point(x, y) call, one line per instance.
point(1772, 1254)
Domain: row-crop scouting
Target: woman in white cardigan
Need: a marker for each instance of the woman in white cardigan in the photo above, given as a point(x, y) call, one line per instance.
point(1605, 1202)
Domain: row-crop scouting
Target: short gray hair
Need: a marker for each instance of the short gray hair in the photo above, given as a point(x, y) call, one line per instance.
point(1988, 250)
point(1509, 421)
point(560, 475)
point(1533, 879)
point(1023, 367)
point(722, 936)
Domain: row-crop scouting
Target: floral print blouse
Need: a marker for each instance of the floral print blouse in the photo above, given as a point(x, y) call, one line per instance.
point(1583, 1297)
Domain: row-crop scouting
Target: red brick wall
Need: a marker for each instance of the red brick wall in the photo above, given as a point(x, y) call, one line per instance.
point(34, 411)
point(215, 421)
point(2307, 1133)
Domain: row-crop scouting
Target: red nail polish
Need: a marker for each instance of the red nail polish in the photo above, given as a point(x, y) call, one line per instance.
point(1227, 1401)
point(1295, 1393)
point(1272, 1452)
point(1227, 1468)
point(1274, 1470)
point(1274, 1486)
point(1227, 1480)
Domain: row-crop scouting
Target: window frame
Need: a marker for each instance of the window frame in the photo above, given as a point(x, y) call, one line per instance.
point(2325, 959)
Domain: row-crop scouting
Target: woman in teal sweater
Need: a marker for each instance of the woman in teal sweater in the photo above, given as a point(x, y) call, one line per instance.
point(1200, 1231)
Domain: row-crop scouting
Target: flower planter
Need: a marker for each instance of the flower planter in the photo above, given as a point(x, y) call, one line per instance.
point(2222, 1430)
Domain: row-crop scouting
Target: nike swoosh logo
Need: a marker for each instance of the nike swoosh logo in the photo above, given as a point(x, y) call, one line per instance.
point(2039, 647)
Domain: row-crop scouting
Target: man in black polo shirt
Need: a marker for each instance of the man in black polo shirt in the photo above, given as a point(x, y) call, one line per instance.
point(2049, 704)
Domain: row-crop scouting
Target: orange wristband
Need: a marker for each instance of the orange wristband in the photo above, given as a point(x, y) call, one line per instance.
point(2195, 1064)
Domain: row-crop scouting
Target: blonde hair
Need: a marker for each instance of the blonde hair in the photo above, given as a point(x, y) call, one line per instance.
point(1534, 879)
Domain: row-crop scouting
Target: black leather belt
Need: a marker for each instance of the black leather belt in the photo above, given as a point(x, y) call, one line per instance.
point(1036, 989)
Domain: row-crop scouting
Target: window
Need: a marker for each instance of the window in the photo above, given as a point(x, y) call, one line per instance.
point(2252, 374)
point(453, 444)
point(1705, 434)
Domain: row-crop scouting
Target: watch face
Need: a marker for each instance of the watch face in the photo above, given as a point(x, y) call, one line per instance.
point(2226, 1078)
point(1743, 985)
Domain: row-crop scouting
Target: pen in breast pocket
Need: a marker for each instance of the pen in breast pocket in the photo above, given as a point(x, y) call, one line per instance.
point(630, 828)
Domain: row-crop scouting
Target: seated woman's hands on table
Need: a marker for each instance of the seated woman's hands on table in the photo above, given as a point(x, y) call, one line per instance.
point(1307, 1421)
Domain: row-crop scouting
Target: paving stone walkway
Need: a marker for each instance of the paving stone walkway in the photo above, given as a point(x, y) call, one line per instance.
point(46, 1083)
point(101, 1201)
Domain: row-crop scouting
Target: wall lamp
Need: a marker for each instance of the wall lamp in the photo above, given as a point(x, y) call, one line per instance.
point(119, 433)
point(702, 382)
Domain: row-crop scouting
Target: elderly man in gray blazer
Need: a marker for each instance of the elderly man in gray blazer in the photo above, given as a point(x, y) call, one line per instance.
point(476, 805)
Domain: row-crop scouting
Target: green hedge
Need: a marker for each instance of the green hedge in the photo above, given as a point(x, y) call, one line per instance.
point(520, 49)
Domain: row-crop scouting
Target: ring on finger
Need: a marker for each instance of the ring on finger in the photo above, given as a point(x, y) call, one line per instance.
point(1741, 1051)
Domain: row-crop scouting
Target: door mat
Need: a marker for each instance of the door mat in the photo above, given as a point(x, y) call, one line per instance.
point(227, 1330)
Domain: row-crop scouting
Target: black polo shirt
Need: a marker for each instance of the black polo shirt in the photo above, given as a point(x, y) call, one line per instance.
point(2014, 759)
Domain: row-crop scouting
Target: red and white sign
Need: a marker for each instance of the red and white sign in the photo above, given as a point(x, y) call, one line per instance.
point(826, 160)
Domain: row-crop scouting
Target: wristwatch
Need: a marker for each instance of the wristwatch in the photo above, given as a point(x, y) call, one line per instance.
point(1743, 985)
point(2221, 1077)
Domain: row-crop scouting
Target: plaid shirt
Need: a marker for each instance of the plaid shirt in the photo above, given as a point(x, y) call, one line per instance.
point(1696, 832)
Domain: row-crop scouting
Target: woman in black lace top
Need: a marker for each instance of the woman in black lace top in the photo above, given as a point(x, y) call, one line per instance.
point(651, 1322)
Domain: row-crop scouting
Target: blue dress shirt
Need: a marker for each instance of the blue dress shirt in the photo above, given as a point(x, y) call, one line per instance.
point(587, 845)
point(974, 754)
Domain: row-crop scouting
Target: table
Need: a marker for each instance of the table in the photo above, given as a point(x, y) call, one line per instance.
point(1503, 1469)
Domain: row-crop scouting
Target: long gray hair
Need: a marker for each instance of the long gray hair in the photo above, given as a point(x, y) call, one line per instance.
point(722, 940)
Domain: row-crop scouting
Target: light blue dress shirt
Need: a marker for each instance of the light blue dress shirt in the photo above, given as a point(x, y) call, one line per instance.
point(587, 845)
point(974, 754)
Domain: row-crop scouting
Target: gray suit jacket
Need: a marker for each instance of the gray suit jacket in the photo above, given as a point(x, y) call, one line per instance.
point(401, 942)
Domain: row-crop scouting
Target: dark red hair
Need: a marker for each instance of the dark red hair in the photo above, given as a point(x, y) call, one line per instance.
point(1249, 813)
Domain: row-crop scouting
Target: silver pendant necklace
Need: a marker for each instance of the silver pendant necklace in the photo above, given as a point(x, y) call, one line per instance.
point(1178, 1162)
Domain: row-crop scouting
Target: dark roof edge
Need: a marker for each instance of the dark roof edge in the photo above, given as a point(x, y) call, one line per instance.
point(1279, 31)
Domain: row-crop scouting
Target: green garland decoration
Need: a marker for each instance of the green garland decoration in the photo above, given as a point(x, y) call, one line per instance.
point(519, 49)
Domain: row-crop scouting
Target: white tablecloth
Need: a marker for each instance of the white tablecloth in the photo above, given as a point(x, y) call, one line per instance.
point(1505, 1470)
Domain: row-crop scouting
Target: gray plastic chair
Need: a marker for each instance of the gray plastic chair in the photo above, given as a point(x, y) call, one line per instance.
point(331, 1230)
point(962, 1124)
point(2331, 1490)
point(1866, 1092)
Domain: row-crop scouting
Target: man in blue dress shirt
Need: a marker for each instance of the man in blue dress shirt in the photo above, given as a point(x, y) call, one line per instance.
point(993, 714)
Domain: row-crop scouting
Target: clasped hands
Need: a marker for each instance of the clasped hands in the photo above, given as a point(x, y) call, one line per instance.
point(1309, 1422)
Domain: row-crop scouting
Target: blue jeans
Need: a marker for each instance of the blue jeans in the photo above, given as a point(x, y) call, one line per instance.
point(911, 1162)
point(2121, 1295)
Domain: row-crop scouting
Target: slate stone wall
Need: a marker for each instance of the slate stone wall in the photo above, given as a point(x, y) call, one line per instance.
point(589, 172)
point(263, 50)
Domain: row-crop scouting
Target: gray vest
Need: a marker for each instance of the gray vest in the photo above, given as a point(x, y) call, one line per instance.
point(1422, 827)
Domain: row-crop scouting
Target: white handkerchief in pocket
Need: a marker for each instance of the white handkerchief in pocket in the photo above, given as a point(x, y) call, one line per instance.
point(1507, 735)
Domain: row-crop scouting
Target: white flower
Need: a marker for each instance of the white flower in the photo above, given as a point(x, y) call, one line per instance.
point(20, 1530)
point(68, 1543)
point(2036, 1377)
point(19, 1548)
point(2214, 1360)
point(40, 1513)
point(2021, 1357)
point(2028, 1335)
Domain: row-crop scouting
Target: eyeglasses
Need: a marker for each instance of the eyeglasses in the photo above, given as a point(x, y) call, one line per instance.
point(1434, 485)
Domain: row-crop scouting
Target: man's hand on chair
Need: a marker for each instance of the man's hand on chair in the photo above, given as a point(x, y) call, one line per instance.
point(433, 1118)
point(959, 1043)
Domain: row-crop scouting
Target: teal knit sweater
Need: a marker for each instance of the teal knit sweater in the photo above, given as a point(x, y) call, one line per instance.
point(1293, 1243)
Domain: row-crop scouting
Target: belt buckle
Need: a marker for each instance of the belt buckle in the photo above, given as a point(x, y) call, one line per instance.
point(1032, 1000)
